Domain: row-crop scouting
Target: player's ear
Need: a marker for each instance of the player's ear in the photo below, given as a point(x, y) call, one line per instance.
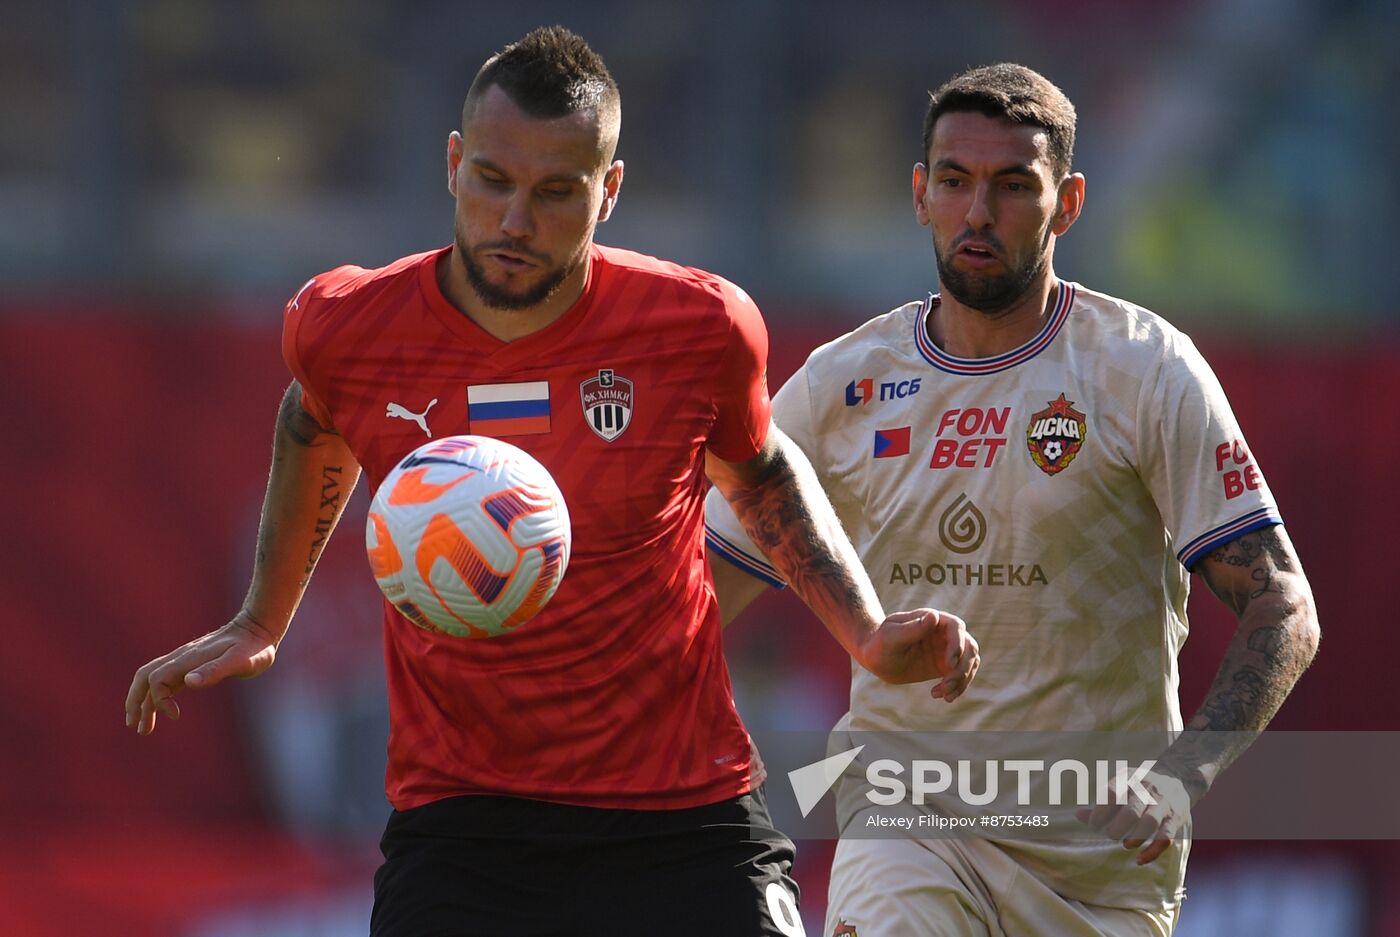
point(920, 184)
point(1070, 198)
point(454, 160)
point(612, 186)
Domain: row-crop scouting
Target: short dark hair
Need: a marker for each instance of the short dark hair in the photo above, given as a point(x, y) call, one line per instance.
point(1015, 93)
point(551, 72)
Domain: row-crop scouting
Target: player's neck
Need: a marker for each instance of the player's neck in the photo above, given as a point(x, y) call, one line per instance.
point(507, 325)
point(964, 332)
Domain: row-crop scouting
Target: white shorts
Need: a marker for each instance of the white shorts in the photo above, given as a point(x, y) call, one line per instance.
point(961, 888)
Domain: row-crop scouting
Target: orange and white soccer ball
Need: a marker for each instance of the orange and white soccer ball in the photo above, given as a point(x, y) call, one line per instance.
point(469, 536)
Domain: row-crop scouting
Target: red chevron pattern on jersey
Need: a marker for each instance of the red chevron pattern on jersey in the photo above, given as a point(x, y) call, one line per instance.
point(617, 695)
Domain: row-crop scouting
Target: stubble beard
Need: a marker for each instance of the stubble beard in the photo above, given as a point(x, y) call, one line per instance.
point(993, 296)
point(498, 297)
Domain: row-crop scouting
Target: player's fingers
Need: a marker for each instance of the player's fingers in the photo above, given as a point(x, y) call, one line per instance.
point(146, 720)
point(1153, 850)
point(163, 699)
point(1172, 825)
point(955, 636)
point(1123, 821)
point(1143, 830)
point(957, 684)
point(228, 664)
point(135, 697)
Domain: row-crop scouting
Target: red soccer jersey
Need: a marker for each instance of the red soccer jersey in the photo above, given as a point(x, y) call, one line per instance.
point(617, 694)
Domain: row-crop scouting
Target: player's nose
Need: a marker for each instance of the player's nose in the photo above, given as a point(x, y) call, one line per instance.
point(517, 221)
point(979, 209)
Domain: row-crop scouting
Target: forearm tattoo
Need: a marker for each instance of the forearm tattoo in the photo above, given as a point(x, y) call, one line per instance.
point(776, 511)
point(328, 512)
point(302, 427)
point(305, 432)
point(1277, 636)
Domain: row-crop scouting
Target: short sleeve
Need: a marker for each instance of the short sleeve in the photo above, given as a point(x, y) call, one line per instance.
point(292, 318)
point(742, 408)
point(724, 535)
point(1194, 458)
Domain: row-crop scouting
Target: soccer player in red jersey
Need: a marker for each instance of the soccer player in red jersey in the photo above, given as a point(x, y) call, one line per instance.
point(589, 767)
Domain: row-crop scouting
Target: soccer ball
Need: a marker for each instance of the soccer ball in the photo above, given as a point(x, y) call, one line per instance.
point(468, 536)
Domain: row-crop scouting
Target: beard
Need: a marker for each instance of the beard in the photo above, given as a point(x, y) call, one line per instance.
point(499, 297)
point(992, 295)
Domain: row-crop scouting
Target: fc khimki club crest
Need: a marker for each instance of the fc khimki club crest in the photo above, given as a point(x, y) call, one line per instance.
point(1055, 436)
point(607, 404)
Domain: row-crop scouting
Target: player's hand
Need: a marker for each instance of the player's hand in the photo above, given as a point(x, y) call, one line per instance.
point(241, 648)
point(1138, 824)
point(923, 644)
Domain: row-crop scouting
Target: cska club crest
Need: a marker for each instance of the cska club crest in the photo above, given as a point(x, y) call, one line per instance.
point(1055, 435)
point(607, 404)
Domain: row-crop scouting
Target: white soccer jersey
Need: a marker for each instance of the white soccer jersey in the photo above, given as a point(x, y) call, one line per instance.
point(1055, 497)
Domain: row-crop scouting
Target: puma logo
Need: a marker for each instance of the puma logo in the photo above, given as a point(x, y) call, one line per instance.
point(403, 413)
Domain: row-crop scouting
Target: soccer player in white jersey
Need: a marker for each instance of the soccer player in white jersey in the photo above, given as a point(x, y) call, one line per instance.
point(1052, 464)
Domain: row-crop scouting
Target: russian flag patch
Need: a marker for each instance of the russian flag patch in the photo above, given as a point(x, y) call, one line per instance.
point(891, 442)
point(508, 409)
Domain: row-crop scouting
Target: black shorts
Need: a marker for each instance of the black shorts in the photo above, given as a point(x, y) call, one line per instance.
point(504, 867)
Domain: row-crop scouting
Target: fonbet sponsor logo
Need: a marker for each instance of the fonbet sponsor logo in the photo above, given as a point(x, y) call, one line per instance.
point(865, 390)
point(1068, 781)
point(962, 529)
point(1237, 471)
point(970, 437)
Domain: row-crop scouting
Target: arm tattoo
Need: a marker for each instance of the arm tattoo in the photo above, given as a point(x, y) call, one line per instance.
point(774, 510)
point(1261, 553)
point(1256, 575)
point(302, 427)
point(1258, 578)
point(329, 512)
point(306, 432)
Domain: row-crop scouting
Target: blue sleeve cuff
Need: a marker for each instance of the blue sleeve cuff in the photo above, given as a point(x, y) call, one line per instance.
point(1192, 553)
point(754, 567)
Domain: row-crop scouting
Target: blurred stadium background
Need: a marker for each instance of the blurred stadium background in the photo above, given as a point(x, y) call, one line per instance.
point(172, 170)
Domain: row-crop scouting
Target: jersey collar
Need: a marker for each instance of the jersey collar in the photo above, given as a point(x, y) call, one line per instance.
point(955, 365)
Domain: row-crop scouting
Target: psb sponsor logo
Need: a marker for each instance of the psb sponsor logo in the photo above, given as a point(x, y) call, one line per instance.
point(962, 528)
point(607, 404)
point(1055, 436)
point(865, 390)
